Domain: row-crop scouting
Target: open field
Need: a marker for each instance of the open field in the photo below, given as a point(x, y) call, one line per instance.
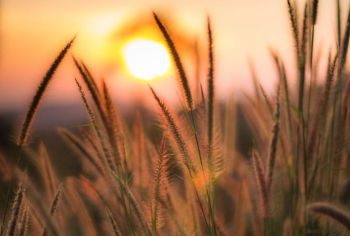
point(272, 163)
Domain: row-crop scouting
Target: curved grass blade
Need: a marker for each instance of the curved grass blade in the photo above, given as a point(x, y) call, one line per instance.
point(180, 69)
point(175, 132)
point(331, 211)
point(24, 132)
point(114, 163)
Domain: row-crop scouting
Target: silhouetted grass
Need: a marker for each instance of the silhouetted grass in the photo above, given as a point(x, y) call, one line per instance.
point(24, 131)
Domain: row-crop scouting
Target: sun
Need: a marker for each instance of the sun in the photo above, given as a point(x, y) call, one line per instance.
point(146, 59)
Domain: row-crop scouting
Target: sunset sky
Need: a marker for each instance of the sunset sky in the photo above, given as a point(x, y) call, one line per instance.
point(33, 32)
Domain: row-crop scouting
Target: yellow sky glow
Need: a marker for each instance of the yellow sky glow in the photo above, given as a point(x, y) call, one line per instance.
point(33, 32)
point(146, 59)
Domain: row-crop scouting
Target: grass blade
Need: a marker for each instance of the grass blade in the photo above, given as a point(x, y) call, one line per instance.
point(16, 207)
point(211, 91)
point(185, 87)
point(24, 132)
point(273, 143)
point(331, 211)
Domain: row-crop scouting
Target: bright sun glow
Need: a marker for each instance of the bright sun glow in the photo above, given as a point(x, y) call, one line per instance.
point(146, 59)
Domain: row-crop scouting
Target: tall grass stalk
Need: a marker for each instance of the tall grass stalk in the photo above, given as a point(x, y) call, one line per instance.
point(16, 207)
point(261, 182)
point(170, 121)
point(28, 120)
point(140, 215)
point(177, 60)
point(113, 223)
point(24, 223)
point(211, 91)
point(210, 125)
point(181, 145)
point(160, 184)
point(185, 88)
point(54, 205)
point(339, 23)
point(113, 162)
point(312, 23)
point(331, 211)
point(273, 142)
point(108, 160)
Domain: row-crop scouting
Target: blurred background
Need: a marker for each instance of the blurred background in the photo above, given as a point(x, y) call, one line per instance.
point(33, 32)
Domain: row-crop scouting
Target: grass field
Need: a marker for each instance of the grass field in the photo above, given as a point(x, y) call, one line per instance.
point(187, 175)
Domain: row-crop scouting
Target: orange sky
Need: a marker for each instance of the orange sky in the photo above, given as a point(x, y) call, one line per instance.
point(32, 33)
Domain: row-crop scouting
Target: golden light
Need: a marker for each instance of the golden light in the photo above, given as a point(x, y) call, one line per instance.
point(146, 59)
point(201, 180)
